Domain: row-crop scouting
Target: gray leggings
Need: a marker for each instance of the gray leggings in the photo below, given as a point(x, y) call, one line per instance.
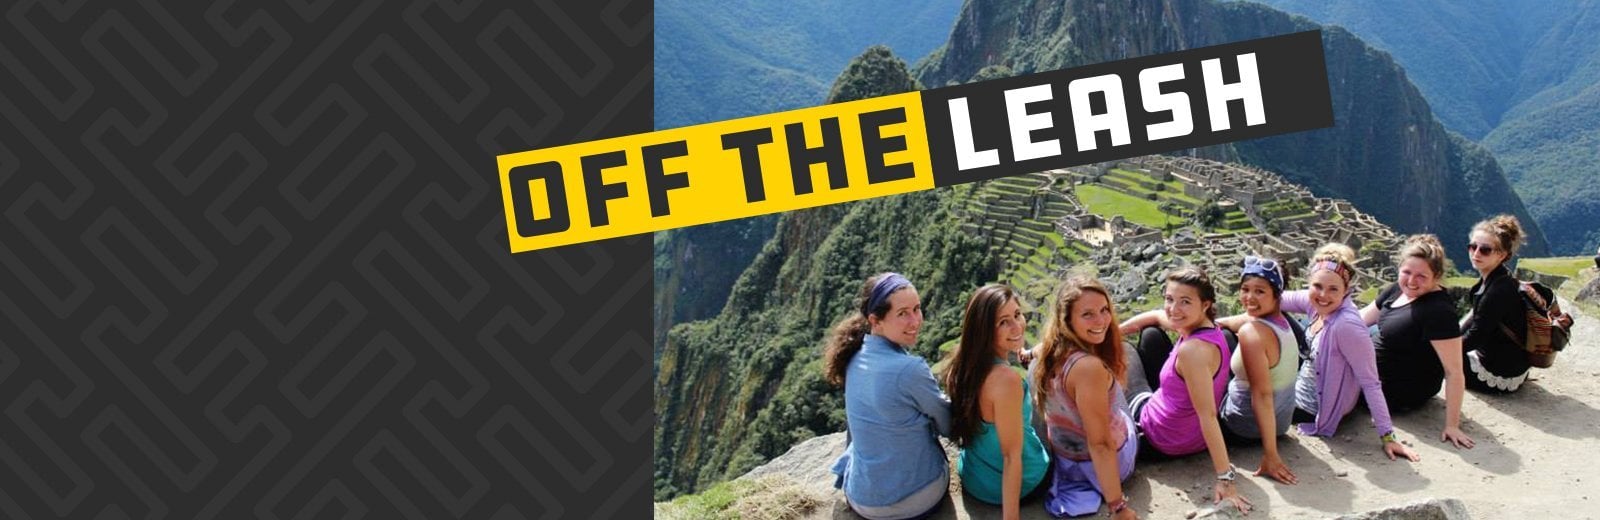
point(918, 505)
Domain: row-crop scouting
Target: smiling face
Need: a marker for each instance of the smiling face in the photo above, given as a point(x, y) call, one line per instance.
point(1328, 291)
point(1008, 328)
point(1183, 306)
point(903, 321)
point(1255, 295)
point(1486, 252)
point(1090, 318)
point(1416, 278)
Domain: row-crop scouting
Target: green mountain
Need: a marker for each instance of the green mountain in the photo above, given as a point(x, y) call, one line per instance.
point(695, 268)
point(724, 60)
point(1520, 77)
point(739, 388)
point(1386, 152)
point(742, 386)
point(728, 59)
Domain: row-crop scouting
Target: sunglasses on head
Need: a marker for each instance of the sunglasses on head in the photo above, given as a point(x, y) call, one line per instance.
point(1474, 247)
point(1265, 263)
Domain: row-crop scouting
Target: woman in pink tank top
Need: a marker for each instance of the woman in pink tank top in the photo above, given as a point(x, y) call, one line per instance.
point(1178, 415)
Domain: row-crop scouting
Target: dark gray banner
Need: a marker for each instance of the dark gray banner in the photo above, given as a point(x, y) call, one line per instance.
point(1127, 108)
point(254, 263)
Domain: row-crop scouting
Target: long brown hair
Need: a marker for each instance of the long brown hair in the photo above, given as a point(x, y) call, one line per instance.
point(847, 335)
point(969, 364)
point(1059, 340)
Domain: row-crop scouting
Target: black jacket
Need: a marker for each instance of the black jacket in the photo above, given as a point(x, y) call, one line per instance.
point(1497, 301)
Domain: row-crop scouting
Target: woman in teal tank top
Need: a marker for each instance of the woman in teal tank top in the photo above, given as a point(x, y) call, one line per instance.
point(991, 409)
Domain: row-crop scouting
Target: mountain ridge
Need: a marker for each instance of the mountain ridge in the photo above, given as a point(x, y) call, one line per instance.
point(1386, 152)
point(742, 386)
point(1517, 77)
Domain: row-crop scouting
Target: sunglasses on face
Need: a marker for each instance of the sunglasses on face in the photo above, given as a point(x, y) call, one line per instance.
point(1474, 247)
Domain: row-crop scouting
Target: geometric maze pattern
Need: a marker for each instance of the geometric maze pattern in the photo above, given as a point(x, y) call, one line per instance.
point(253, 262)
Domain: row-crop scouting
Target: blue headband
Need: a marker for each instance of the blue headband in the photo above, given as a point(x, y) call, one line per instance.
point(1259, 267)
point(881, 291)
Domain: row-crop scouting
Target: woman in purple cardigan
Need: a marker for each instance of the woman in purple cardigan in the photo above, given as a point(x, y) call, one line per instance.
point(1343, 364)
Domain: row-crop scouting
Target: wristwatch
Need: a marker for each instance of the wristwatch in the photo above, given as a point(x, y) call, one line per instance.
point(1388, 437)
point(1227, 476)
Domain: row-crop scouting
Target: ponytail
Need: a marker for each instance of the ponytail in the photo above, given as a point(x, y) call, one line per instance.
point(843, 343)
point(845, 340)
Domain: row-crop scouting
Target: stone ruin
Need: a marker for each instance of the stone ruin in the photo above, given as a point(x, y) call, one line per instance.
point(1018, 214)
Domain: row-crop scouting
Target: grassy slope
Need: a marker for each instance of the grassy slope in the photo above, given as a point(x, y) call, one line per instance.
point(1568, 266)
point(1105, 201)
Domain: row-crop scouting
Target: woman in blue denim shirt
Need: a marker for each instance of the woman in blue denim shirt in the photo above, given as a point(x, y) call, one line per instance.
point(893, 466)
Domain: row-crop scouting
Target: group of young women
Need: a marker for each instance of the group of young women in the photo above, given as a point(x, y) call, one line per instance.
point(1069, 428)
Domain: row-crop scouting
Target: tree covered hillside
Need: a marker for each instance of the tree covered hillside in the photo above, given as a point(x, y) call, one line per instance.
point(738, 389)
point(724, 60)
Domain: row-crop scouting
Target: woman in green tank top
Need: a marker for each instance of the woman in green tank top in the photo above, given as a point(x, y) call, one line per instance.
point(1002, 459)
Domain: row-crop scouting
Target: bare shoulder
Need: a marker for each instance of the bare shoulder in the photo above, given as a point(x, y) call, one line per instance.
point(1088, 369)
point(1256, 330)
point(1004, 374)
point(1003, 381)
point(1198, 351)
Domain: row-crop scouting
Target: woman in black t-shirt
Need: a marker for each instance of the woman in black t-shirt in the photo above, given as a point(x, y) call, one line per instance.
point(1495, 360)
point(1419, 343)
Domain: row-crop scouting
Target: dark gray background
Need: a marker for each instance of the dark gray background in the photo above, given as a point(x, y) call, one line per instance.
point(255, 263)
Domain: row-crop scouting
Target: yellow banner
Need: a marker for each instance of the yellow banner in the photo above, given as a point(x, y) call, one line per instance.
point(706, 173)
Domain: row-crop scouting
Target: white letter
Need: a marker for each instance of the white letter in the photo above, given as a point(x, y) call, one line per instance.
point(1150, 81)
point(1022, 123)
point(1247, 89)
point(961, 126)
point(1085, 123)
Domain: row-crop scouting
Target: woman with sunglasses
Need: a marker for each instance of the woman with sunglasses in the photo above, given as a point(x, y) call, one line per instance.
point(1419, 342)
point(992, 405)
point(1261, 395)
point(893, 466)
point(1495, 361)
point(1342, 366)
point(1175, 407)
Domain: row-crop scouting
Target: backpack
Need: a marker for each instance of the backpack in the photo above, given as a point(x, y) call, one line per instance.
point(1548, 328)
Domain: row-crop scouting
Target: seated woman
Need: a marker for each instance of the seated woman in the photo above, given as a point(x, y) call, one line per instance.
point(1495, 360)
point(1078, 367)
point(1260, 397)
point(991, 404)
point(1419, 343)
point(893, 466)
point(1176, 406)
point(1342, 366)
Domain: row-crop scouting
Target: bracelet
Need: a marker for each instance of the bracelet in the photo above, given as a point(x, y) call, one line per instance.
point(1388, 437)
point(1116, 506)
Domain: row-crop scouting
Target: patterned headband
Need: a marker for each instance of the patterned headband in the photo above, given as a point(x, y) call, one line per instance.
point(1330, 265)
point(881, 291)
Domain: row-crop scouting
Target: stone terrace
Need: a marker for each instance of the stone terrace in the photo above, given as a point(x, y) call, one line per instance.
point(1036, 226)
